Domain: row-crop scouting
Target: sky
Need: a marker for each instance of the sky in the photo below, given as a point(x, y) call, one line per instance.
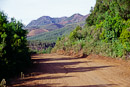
point(28, 10)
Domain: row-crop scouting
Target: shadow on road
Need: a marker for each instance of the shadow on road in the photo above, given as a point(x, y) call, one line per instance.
point(56, 66)
point(53, 85)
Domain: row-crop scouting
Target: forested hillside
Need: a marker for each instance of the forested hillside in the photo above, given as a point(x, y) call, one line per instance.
point(107, 31)
point(46, 30)
point(14, 54)
point(50, 24)
point(53, 35)
point(36, 43)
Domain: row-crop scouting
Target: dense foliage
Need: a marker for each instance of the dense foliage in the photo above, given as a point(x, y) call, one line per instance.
point(41, 46)
point(14, 55)
point(103, 8)
point(107, 31)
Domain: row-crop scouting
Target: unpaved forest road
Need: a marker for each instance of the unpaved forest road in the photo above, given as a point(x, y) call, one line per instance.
point(52, 70)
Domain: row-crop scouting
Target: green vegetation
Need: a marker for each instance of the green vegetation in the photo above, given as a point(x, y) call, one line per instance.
point(48, 50)
point(104, 8)
point(53, 35)
point(107, 31)
point(14, 55)
point(57, 27)
point(43, 42)
point(40, 46)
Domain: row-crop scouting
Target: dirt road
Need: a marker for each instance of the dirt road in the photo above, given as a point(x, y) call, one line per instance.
point(52, 70)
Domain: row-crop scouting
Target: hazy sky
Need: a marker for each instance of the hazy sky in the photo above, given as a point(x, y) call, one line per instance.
point(27, 10)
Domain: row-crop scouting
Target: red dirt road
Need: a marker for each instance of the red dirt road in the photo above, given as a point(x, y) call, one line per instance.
point(52, 70)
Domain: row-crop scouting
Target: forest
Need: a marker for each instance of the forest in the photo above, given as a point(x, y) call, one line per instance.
point(38, 46)
point(14, 53)
point(107, 31)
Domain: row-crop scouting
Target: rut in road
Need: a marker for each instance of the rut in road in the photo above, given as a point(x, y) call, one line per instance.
point(52, 70)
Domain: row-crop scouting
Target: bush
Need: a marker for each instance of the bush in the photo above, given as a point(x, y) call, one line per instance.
point(75, 34)
point(107, 31)
point(48, 50)
point(14, 54)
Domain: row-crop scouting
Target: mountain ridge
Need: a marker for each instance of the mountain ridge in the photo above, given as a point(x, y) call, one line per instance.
point(46, 24)
point(45, 20)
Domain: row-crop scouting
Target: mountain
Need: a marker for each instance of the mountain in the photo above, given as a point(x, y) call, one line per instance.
point(57, 22)
point(46, 27)
point(74, 19)
point(44, 20)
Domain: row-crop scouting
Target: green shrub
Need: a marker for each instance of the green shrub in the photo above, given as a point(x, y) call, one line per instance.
point(14, 54)
point(75, 34)
point(48, 50)
point(107, 31)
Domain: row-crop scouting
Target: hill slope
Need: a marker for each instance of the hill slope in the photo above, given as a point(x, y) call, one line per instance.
point(56, 27)
point(53, 35)
point(36, 32)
